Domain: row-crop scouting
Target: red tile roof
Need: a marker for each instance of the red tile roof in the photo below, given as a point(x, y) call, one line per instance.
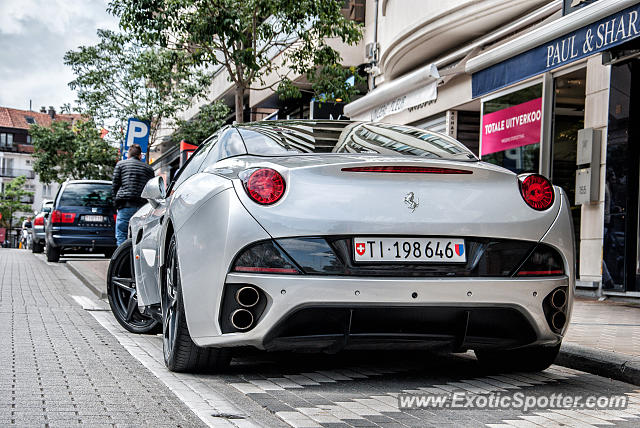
point(14, 118)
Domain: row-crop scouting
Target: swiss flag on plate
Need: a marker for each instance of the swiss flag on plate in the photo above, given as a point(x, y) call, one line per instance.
point(360, 248)
point(459, 249)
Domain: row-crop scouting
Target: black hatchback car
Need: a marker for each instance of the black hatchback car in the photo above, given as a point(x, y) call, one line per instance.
point(82, 220)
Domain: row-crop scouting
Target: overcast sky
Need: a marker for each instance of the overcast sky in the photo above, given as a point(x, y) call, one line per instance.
point(34, 36)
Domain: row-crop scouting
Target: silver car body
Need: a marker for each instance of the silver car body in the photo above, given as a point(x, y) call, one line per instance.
point(214, 219)
point(37, 231)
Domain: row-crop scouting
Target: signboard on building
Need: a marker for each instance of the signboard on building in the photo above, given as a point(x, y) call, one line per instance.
point(573, 5)
point(586, 41)
point(137, 133)
point(511, 127)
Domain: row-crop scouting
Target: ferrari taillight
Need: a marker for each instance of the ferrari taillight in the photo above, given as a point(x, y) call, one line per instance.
point(264, 257)
point(60, 217)
point(407, 170)
point(543, 261)
point(536, 191)
point(264, 185)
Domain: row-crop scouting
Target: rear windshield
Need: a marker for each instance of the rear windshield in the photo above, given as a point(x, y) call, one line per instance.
point(86, 195)
point(283, 139)
point(405, 140)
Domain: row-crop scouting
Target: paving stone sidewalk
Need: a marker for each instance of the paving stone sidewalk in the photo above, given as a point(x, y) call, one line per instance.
point(608, 326)
point(59, 367)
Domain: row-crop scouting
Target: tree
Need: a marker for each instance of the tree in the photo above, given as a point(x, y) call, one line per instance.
point(244, 37)
point(71, 151)
point(11, 201)
point(118, 78)
point(209, 119)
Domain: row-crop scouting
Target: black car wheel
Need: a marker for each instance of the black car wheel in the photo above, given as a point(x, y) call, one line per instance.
point(530, 359)
point(37, 247)
point(181, 354)
point(122, 293)
point(52, 253)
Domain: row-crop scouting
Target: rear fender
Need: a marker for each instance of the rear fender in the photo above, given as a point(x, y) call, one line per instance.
point(206, 248)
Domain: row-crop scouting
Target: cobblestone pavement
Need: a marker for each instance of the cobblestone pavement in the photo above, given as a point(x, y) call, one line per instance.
point(609, 326)
point(59, 367)
point(362, 389)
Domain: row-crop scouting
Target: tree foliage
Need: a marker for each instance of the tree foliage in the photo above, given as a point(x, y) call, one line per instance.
point(119, 78)
point(71, 151)
point(209, 119)
point(244, 37)
point(11, 200)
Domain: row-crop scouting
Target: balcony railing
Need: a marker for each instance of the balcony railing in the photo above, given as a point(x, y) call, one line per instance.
point(15, 172)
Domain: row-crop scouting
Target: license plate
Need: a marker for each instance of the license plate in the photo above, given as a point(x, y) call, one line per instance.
point(93, 218)
point(403, 250)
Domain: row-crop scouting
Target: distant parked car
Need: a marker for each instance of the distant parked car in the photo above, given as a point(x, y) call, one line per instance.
point(82, 220)
point(37, 231)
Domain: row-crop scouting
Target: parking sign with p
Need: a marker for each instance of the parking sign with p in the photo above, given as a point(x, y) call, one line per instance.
point(137, 133)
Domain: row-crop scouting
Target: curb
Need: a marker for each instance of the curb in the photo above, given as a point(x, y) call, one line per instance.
point(88, 283)
point(613, 365)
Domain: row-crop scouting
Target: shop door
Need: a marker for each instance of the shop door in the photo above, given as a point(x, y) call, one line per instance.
point(568, 119)
point(620, 269)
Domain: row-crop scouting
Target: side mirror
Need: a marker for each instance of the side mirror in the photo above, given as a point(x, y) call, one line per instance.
point(154, 191)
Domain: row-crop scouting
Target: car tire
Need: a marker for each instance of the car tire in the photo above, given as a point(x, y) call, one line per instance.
point(181, 354)
point(52, 253)
point(37, 248)
point(122, 294)
point(530, 359)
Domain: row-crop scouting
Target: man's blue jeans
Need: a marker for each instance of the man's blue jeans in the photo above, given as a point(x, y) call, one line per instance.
point(122, 223)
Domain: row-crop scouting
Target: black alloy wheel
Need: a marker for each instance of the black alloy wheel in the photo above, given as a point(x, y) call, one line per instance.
point(122, 293)
point(52, 253)
point(181, 354)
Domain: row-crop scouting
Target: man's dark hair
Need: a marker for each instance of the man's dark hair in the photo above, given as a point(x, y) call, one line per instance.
point(135, 151)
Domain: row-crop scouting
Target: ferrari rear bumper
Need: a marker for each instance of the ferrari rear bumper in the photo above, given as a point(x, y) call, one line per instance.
point(327, 313)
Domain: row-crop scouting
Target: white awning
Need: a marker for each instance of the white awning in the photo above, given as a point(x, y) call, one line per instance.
point(415, 88)
point(565, 25)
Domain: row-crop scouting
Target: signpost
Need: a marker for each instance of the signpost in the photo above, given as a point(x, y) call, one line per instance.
point(137, 133)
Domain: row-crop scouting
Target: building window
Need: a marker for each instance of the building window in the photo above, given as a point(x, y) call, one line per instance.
point(6, 140)
point(28, 139)
point(511, 130)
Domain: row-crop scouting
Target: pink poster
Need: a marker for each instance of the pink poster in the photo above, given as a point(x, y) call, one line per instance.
point(512, 127)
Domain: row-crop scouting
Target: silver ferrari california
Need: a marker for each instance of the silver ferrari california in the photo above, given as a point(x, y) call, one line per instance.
point(331, 235)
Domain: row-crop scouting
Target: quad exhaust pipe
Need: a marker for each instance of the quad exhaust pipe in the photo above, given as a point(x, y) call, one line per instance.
point(247, 297)
point(559, 298)
point(241, 319)
point(558, 320)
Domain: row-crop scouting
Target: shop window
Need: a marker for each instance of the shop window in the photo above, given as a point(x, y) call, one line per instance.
point(568, 119)
point(621, 264)
point(511, 129)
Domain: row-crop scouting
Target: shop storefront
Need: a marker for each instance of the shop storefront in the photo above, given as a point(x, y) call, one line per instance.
point(538, 91)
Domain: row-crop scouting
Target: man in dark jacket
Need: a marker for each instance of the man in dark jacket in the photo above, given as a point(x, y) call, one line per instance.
point(129, 178)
